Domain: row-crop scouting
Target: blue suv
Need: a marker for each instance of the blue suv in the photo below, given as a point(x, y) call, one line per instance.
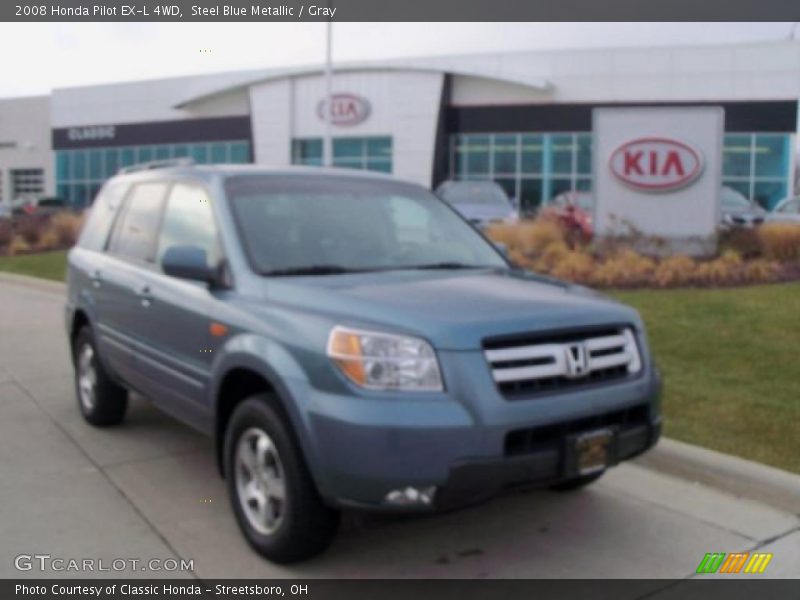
point(349, 341)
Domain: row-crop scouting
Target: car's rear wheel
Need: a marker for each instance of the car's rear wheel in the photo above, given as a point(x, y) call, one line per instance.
point(102, 402)
point(274, 498)
point(577, 483)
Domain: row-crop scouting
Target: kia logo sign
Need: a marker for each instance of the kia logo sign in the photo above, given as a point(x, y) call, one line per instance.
point(345, 109)
point(656, 164)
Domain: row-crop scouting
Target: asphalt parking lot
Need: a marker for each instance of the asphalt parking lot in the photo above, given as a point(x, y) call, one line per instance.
point(150, 489)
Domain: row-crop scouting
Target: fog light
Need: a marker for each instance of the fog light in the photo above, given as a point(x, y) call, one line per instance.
point(411, 496)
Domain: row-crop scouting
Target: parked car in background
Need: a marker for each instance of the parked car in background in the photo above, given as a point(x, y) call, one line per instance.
point(573, 210)
point(349, 342)
point(786, 211)
point(738, 211)
point(43, 206)
point(480, 202)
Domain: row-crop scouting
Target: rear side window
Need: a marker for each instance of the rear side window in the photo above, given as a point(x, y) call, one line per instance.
point(189, 221)
point(135, 235)
point(101, 217)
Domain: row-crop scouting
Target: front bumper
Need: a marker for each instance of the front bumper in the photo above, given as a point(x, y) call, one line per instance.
point(473, 481)
point(464, 441)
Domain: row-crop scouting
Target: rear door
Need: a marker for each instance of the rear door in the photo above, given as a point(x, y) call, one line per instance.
point(178, 347)
point(123, 276)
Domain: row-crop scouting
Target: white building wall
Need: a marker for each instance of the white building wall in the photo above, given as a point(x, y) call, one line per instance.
point(404, 106)
point(25, 140)
point(145, 101)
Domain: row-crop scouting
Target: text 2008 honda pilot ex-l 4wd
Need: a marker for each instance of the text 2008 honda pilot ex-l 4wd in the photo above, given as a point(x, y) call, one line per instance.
point(349, 341)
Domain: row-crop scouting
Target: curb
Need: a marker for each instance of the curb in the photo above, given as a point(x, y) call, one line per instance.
point(36, 283)
point(737, 476)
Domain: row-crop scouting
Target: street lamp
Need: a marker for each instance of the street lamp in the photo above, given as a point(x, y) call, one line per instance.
point(327, 150)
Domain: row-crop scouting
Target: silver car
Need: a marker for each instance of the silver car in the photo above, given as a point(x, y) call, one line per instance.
point(480, 202)
point(738, 211)
point(786, 211)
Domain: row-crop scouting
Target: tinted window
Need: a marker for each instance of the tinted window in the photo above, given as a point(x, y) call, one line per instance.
point(136, 233)
point(101, 217)
point(189, 221)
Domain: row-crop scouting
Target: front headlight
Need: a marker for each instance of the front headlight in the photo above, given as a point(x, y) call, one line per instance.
point(383, 361)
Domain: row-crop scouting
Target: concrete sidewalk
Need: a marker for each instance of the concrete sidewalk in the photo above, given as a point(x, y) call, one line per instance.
point(149, 489)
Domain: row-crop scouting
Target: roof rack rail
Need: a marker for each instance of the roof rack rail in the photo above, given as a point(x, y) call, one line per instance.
point(157, 164)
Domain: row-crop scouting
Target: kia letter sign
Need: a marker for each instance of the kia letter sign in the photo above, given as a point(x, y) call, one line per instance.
point(345, 109)
point(656, 164)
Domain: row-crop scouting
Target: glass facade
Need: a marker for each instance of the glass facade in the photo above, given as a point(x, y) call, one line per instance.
point(536, 167)
point(532, 167)
point(758, 165)
point(366, 153)
point(81, 172)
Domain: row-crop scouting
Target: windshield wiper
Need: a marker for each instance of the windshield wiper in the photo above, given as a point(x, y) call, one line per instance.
point(312, 270)
point(449, 265)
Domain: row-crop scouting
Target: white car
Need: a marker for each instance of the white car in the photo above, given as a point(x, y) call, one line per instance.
point(786, 211)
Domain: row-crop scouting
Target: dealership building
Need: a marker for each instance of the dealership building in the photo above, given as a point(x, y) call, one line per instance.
point(523, 119)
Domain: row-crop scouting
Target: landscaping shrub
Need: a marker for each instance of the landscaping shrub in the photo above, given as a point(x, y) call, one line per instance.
point(675, 271)
point(30, 228)
point(50, 240)
point(535, 237)
point(760, 271)
point(574, 266)
point(745, 242)
point(67, 227)
point(18, 246)
point(6, 233)
point(504, 234)
point(780, 241)
point(724, 270)
point(747, 256)
point(625, 268)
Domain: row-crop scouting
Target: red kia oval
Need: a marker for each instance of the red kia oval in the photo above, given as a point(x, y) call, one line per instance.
point(345, 109)
point(656, 164)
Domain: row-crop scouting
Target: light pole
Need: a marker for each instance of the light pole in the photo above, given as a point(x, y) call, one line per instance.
point(327, 145)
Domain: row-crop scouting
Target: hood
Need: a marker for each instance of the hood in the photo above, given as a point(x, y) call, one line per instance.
point(454, 310)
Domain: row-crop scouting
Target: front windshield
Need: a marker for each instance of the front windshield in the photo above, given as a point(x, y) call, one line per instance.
point(489, 194)
point(317, 224)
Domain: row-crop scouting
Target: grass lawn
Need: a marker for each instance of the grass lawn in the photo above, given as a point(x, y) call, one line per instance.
point(731, 364)
point(730, 358)
point(48, 265)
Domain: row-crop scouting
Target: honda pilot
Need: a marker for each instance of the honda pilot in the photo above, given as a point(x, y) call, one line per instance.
point(349, 341)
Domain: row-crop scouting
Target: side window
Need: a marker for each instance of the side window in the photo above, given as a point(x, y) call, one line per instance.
point(101, 217)
point(135, 235)
point(189, 221)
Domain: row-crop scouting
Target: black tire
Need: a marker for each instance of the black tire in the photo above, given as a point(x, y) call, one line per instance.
point(307, 526)
point(109, 400)
point(577, 483)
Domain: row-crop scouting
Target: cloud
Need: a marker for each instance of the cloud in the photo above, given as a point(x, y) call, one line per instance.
point(70, 54)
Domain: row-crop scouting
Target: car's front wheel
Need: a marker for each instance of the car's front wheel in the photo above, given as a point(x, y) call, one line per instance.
point(274, 498)
point(102, 401)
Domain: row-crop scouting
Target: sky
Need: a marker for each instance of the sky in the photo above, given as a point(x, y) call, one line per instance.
point(71, 54)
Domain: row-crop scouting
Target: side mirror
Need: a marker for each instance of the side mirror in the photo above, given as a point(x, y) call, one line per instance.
point(189, 262)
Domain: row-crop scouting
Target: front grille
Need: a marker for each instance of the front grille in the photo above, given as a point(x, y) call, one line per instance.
point(562, 361)
point(550, 437)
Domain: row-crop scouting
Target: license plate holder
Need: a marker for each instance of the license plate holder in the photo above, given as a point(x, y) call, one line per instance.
point(592, 451)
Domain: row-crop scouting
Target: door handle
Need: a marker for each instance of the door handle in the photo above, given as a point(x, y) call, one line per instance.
point(96, 278)
point(145, 297)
